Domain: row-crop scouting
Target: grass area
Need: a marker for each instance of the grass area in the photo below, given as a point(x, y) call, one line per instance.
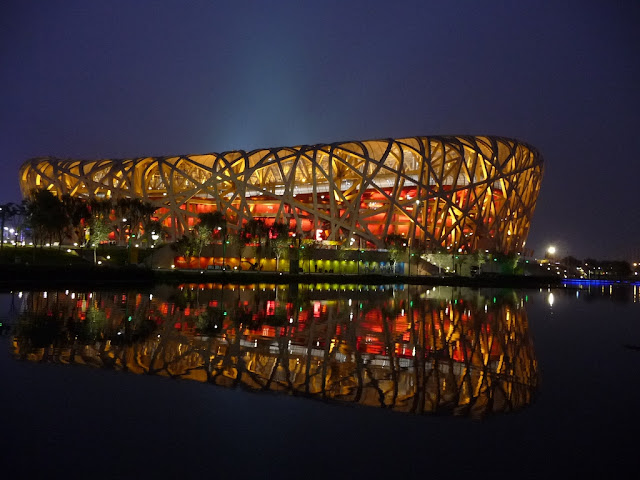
point(39, 256)
point(118, 256)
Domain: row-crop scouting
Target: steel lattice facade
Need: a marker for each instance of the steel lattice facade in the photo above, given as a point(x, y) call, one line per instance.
point(462, 192)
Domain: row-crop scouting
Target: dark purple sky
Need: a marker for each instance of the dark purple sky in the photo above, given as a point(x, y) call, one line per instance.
point(112, 79)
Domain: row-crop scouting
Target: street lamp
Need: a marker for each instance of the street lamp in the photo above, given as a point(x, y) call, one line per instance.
point(551, 251)
point(224, 251)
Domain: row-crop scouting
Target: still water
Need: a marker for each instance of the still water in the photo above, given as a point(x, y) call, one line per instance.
point(533, 377)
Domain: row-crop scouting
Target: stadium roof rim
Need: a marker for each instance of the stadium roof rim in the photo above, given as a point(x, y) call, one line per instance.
point(448, 137)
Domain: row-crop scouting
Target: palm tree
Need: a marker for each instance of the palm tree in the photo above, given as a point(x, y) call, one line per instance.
point(122, 209)
point(217, 223)
point(141, 213)
point(102, 208)
point(253, 231)
point(307, 252)
point(341, 254)
point(77, 212)
point(255, 228)
point(131, 215)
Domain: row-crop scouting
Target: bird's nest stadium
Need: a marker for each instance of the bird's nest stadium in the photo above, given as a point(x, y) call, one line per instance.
point(468, 193)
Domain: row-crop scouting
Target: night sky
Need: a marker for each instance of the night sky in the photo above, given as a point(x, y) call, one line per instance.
point(122, 79)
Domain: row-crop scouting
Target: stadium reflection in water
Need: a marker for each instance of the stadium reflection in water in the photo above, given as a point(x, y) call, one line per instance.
point(411, 349)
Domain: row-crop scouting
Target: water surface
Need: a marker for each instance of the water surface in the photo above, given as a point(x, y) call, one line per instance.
point(416, 350)
point(350, 381)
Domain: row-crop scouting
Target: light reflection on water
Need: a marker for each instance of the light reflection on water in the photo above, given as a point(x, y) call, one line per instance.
point(411, 349)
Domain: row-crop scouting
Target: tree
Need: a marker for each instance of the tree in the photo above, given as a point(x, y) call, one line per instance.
point(201, 238)
point(417, 250)
point(396, 245)
point(216, 221)
point(131, 214)
point(7, 212)
point(217, 224)
point(253, 231)
point(210, 321)
point(307, 252)
point(141, 215)
point(121, 210)
point(185, 246)
point(153, 231)
point(570, 261)
point(342, 255)
point(46, 216)
point(78, 215)
point(102, 208)
point(279, 240)
point(99, 231)
point(479, 259)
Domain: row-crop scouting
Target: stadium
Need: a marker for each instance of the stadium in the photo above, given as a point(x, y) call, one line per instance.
point(468, 193)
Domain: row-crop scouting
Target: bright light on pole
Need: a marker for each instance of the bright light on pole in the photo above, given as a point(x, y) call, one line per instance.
point(551, 250)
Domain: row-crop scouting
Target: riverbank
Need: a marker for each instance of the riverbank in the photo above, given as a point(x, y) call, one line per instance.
point(45, 276)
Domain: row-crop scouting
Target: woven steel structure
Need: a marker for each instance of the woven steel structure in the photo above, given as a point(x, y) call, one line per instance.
point(462, 192)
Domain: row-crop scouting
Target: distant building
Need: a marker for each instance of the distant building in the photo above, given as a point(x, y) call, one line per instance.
point(465, 193)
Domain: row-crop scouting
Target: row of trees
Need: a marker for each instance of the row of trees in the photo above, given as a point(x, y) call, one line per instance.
point(212, 229)
point(594, 267)
point(8, 213)
point(51, 219)
point(269, 240)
